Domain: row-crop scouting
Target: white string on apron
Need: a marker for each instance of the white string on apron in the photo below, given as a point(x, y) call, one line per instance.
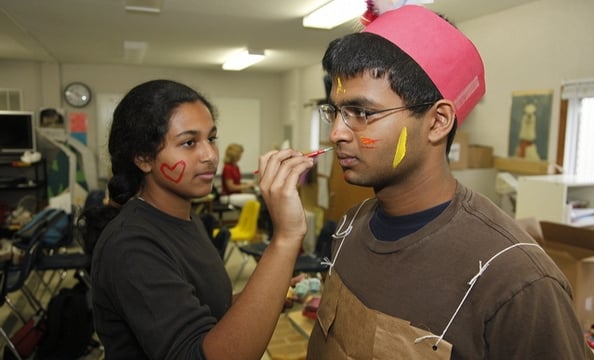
point(340, 233)
point(472, 281)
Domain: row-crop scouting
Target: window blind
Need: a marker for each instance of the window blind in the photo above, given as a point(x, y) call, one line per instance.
point(578, 89)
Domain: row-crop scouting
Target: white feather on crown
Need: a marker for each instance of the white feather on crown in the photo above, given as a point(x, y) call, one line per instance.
point(381, 6)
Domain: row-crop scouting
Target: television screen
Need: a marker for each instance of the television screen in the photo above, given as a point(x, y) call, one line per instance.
point(17, 132)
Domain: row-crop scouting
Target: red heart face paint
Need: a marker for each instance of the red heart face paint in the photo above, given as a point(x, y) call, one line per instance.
point(175, 172)
point(368, 142)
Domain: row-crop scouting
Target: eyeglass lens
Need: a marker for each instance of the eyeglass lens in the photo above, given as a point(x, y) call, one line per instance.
point(353, 116)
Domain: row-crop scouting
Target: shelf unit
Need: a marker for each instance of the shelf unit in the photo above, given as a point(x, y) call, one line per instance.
point(548, 197)
point(26, 179)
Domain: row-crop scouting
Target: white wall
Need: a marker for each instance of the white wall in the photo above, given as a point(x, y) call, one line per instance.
point(300, 87)
point(42, 83)
point(535, 46)
point(25, 75)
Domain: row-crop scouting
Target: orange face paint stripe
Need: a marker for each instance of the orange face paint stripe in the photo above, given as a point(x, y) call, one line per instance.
point(368, 142)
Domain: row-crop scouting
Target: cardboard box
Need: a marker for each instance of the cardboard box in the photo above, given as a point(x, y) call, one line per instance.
point(480, 156)
point(522, 166)
point(458, 155)
point(572, 249)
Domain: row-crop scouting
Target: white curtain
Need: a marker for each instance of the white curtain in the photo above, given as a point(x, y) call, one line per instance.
point(579, 147)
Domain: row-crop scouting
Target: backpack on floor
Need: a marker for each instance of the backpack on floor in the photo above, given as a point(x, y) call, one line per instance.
point(69, 325)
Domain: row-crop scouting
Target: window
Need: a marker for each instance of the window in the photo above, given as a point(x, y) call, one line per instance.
point(577, 130)
point(10, 99)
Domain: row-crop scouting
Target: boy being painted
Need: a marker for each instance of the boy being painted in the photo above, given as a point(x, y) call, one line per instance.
point(403, 280)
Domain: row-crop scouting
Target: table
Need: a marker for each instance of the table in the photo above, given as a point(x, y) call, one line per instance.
point(203, 204)
point(303, 324)
point(289, 340)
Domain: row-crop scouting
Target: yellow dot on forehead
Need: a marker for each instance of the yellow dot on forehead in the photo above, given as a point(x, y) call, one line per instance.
point(339, 88)
point(400, 148)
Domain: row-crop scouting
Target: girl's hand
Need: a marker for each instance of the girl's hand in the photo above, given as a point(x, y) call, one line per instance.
point(279, 175)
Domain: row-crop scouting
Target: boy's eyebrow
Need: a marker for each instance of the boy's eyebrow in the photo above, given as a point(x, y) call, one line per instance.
point(358, 101)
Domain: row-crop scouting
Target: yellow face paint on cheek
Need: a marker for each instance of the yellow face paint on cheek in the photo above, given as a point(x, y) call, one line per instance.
point(339, 88)
point(400, 148)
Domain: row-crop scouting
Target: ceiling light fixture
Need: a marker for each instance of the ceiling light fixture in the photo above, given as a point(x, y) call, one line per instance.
point(144, 6)
point(243, 59)
point(134, 51)
point(337, 12)
point(334, 13)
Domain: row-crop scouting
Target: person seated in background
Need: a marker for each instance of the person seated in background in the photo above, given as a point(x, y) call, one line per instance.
point(235, 191)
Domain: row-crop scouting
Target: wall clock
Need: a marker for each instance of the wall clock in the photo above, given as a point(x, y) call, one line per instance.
point(77, 94)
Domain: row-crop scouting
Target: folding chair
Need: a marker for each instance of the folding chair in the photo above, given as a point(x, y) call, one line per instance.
point(244, 231)
point(25, 244)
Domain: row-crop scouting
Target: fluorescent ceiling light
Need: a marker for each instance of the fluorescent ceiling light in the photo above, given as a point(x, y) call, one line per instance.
point(134, 51)
point(243, 59)
point(144, 6)
point(334, 13)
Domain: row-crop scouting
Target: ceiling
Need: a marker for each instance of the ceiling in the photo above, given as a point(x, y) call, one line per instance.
point(186, 33)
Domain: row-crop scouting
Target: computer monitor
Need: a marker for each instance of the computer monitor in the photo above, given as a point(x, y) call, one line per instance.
point(17, 133)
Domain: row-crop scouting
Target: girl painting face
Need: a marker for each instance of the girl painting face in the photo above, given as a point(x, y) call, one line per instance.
point(186, 165)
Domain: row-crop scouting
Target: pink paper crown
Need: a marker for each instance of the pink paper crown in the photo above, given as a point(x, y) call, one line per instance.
point(448, 57)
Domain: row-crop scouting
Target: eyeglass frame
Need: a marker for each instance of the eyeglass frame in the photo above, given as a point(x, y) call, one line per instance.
point(366, 113)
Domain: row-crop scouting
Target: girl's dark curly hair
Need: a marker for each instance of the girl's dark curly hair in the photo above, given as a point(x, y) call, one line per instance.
point(140, 123)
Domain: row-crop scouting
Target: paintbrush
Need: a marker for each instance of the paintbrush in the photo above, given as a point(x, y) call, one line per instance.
point(312, 154)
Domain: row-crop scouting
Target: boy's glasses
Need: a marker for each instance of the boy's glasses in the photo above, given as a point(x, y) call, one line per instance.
point(356, 117)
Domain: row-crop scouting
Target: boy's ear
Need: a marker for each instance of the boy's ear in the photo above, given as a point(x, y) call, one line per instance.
point(143, 164)
point(444, 117)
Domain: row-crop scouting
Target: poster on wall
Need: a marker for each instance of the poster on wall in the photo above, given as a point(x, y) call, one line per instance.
point(530, 123)
point(78, 126)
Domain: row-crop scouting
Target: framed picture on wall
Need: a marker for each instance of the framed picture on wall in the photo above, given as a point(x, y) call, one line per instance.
point(530, 124)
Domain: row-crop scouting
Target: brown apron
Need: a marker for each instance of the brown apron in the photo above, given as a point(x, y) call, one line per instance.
point(347, 329)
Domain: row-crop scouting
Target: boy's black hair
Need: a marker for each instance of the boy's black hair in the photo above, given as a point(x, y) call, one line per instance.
point(359, 53)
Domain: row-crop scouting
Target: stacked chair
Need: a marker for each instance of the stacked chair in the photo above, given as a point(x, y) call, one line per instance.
point(55, 259)
point(25, 247)
point(42, 247)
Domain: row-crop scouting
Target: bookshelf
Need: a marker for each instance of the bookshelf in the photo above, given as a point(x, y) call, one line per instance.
point(551, 198)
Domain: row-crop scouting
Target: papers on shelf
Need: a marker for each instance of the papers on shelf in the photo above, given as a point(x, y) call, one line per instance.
point(582, 216)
